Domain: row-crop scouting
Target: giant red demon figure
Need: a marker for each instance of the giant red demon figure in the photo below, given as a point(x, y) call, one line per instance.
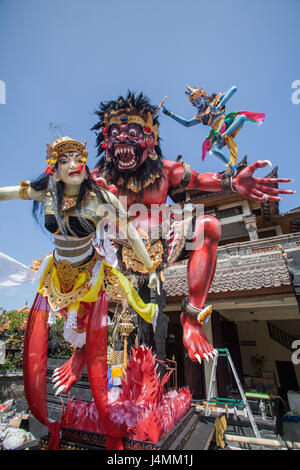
point(133, 165)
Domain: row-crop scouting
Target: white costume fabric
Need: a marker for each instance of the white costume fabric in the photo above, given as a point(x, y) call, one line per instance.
point(13, 273)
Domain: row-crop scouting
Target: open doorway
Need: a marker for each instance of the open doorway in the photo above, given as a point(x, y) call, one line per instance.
point(189, 373)
point(287, 378)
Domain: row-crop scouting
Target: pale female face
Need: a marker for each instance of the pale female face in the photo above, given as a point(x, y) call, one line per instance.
point(69, 169)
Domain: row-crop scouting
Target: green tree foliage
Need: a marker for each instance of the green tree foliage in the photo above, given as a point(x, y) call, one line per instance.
point(58, 347)
point(12, 331)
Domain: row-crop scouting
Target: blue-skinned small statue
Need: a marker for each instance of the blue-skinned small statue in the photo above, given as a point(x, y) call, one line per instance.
point(224, 127)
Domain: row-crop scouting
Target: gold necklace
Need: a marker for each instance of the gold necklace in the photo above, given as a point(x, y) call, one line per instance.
point(138, 187)
point(70, 201)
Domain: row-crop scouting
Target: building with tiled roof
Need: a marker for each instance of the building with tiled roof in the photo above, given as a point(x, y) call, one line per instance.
point(242, 269)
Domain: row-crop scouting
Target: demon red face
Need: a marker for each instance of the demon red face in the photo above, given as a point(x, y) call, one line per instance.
point(129, 144)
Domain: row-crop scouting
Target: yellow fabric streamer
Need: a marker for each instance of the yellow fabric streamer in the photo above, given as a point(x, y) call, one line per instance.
point(117, 371)
point(232, 147)
point(146, 311)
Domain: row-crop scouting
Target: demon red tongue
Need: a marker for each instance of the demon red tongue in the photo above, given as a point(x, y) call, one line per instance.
point(126, 157)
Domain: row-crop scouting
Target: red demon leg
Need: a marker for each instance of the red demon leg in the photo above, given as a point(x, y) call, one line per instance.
point(200, 271)
point(35, 366)
point(70, 372)
point(96, 356)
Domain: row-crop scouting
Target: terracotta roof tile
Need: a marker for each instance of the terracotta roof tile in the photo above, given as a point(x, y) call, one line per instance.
point(236, 278)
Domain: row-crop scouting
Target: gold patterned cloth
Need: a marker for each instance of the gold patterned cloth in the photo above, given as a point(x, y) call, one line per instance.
point(67, 286)
point(165, 245)
point(155, 251)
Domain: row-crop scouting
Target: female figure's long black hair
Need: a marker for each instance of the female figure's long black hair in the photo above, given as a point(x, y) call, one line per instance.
point(56, 189)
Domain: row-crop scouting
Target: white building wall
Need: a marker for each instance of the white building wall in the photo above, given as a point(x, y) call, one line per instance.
point(265, 346)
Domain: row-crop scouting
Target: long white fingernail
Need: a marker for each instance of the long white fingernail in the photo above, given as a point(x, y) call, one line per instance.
point(60, 389)
point(211, 355)
point(206, 357)
point(57, 384)
point(269, 163)
point(198, 358)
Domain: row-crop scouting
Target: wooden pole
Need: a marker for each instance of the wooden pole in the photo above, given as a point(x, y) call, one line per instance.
point(262, 442)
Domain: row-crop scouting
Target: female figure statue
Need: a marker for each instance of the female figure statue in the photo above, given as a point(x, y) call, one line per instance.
point(74, 276)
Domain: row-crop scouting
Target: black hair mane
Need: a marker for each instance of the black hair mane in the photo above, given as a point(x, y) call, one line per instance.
point(132, 102)
point(142, 105)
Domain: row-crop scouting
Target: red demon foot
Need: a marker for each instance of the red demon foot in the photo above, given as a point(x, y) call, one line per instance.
point(70, 372)
point(195, 341)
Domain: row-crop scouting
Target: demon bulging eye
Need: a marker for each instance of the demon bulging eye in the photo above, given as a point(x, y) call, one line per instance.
point(114, 132)
point(132, 132)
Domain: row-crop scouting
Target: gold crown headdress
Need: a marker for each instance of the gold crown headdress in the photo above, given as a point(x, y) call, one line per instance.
point(125, 116)
point(195, 92)
point(63, 145)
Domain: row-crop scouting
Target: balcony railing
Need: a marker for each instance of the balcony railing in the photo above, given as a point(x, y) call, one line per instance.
point(230, 212)
point(280, 336)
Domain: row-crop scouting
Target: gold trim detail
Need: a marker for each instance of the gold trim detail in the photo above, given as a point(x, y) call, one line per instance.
point(70, 201)
point(67, 274)
point(133, 118)
point(23, 190)
point(155, 252)
point(85, 213)
point(73, 253)
point(138, 187)
point(36, 263)
point(63, 145)
point(111, 285)
point(42, 444)
point(71, 243)
point(114, 117)
point(218, 123)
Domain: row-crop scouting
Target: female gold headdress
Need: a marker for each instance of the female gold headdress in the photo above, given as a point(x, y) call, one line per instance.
point(64, 145)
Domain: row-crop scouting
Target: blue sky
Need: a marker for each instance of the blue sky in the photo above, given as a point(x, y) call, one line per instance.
point(60, 58)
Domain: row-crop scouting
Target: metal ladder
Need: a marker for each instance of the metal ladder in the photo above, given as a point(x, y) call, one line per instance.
point(225, 353)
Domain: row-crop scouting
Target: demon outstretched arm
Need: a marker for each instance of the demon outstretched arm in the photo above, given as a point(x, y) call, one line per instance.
point(244, 183)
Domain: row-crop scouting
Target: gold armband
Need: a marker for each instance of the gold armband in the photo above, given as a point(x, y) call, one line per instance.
point(23, 191)
point(150, 270)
